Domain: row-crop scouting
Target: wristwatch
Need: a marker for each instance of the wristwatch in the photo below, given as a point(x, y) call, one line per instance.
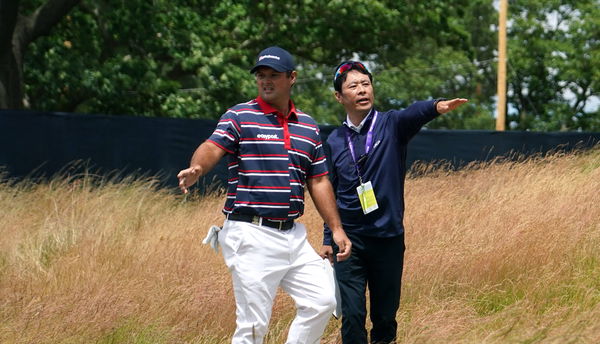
point(437, 101)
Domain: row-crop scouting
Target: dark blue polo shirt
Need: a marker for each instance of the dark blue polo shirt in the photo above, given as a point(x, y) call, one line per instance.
point(270, 157)
point(384, 166)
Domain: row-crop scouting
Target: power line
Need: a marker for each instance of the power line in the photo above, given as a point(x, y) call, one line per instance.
point(448, 66)
point(325, 75)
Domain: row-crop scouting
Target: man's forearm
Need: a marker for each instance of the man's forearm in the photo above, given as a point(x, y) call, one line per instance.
point(322, 195)
point(206, 156)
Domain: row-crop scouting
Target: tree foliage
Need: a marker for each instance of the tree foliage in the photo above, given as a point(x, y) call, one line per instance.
point(190, 58)
point(18, 29)
point(554, 64)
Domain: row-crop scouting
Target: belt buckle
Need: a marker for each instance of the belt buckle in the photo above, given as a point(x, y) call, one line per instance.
point(256, 220)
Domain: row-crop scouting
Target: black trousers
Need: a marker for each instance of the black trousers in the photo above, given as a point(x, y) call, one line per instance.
point(375, 263)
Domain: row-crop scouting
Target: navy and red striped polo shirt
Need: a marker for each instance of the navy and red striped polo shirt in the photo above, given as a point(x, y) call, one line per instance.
point(270, 157)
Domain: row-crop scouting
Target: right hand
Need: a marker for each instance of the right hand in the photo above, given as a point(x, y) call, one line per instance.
point(188, 177)
point(327, 252)
point(344, 244)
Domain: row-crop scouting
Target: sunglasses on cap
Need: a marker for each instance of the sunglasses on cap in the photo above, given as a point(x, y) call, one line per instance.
point(344, 67)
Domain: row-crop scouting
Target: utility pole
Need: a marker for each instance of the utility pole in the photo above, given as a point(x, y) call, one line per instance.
point(501, 110)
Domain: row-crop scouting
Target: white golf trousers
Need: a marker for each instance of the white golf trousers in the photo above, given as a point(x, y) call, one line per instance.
point(261, 259)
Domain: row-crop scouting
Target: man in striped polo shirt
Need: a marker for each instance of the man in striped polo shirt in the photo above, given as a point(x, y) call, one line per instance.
point(273, 151)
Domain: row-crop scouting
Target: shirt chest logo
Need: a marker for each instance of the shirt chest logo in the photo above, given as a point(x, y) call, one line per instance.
point(267, 136)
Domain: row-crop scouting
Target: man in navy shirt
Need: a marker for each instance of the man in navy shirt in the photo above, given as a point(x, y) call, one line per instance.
point(368, 159)
point(274, 151)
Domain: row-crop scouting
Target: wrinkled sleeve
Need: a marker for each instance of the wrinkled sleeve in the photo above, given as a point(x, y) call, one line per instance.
point(410, 120)
point(318, 166)
point(227, 133)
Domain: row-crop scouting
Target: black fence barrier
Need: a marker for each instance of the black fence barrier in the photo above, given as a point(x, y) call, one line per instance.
point(43, 144)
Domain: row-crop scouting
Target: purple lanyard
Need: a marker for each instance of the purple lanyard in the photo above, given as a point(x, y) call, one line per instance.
point(368, 144)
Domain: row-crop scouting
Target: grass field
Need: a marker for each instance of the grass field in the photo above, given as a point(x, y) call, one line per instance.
point(507, 252)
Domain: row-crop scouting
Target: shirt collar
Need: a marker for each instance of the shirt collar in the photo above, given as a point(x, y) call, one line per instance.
point(358, 128)
point(268, 109)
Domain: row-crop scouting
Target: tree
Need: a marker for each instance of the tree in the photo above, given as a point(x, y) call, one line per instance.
point(190, 58)
point(137, 57)
point(554, 64)
point(457, 61)
point(17, 31)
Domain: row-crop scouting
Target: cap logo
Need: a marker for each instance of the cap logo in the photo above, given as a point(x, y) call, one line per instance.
point(269, 57)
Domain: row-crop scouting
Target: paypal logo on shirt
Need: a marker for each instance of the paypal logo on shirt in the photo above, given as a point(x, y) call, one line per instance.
point(267, 136)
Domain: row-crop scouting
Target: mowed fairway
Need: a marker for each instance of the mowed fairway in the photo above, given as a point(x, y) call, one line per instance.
point(497, 253)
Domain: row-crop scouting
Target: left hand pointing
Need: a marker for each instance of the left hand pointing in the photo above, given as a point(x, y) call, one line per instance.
point(445, 106)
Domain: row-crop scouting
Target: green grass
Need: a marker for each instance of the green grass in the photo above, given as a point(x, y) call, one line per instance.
point(132, 332)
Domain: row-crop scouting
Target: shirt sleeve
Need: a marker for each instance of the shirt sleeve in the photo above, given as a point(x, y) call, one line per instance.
point(227, 133)
point(318, 166)
point(410, 120)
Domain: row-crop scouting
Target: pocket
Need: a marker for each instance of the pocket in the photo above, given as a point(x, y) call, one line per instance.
point(230, 239)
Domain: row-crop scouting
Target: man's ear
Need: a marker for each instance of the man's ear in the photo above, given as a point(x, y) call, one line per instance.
point(338, 96)
point(293, 76)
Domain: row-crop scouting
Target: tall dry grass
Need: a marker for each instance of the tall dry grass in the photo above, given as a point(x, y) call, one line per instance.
point(497, 253)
